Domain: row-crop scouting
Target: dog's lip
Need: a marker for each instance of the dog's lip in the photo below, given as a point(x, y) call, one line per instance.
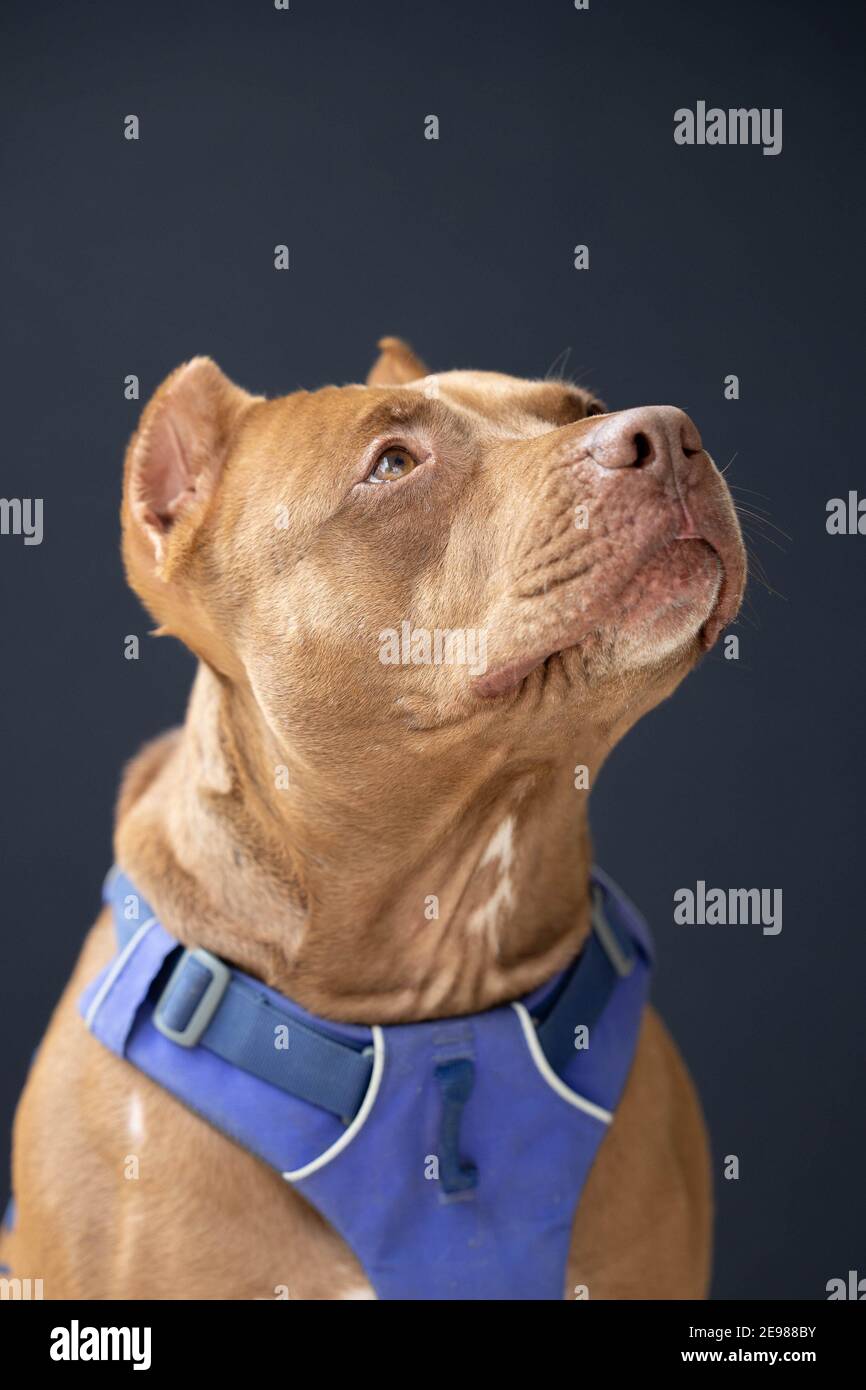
point(505, 678)
point(727, 547)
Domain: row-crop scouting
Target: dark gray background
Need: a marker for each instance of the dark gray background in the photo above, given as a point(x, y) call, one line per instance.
point(306, 127)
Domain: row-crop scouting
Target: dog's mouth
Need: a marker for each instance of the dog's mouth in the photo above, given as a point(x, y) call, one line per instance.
point(694, 579)
point(732, 567)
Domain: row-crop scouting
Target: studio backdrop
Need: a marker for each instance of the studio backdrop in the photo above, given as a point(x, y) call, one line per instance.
point(530, 188)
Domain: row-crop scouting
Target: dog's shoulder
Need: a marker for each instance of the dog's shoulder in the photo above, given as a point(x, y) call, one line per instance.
point(643, 1228)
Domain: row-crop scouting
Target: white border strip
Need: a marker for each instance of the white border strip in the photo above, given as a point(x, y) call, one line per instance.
point(360, 1119)
point(119, 963)
point(550, 1076)
point(622, 964)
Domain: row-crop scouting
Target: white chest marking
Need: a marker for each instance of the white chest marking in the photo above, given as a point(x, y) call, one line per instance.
point(135, 1118)
point(500, 850)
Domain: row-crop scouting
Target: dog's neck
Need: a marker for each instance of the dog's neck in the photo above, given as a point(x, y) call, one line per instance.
point(366, 897)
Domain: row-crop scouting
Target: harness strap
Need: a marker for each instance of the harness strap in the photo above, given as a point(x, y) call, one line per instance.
point(206, 1003)
point(246, 1030)
point(607, 957)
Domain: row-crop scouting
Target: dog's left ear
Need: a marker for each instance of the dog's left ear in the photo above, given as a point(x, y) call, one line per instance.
point(396, 364)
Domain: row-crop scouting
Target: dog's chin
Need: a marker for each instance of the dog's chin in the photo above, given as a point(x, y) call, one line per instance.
point(667, 607)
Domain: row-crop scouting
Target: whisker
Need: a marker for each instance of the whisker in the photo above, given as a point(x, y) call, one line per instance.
point(761, 512)
point(557, 367)
point(756, 567)
point(760, 536)
point(738, 487)
point(752, 540)
point(744, 511)
point(748, 614)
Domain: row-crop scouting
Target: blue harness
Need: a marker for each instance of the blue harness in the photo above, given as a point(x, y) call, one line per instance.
point(451, 1155)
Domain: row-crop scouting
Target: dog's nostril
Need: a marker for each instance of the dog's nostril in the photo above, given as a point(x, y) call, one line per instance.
point(643, 450)
point(690, 440)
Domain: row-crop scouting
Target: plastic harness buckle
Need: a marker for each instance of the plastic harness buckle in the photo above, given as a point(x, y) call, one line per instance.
point(192, 996)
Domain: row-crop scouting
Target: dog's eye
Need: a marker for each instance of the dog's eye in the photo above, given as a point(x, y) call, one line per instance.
point(391, 465)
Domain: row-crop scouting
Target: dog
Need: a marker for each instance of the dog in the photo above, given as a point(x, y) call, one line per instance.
point(383, 839)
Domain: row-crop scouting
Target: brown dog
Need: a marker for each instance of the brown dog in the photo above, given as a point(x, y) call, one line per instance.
point(319, 795)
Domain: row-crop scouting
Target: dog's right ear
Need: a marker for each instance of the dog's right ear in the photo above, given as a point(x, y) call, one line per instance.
point(173, 466)
point(395, 365)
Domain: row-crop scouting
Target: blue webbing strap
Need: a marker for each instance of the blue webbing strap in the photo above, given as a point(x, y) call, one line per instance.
point(607, 957)
point(248, 1031)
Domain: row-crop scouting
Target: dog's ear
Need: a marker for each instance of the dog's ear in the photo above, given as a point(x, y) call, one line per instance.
point(173, 466)
point(395, 365)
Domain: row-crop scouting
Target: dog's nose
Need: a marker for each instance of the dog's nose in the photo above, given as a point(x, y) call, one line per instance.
point(652, 436)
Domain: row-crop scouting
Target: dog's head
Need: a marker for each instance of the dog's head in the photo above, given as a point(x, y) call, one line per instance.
point(468, 551)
